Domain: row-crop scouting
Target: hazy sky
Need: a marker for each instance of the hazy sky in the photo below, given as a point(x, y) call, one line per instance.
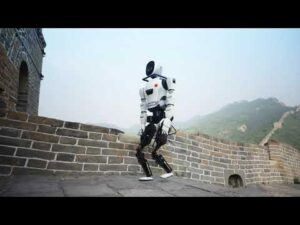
point(94, 75)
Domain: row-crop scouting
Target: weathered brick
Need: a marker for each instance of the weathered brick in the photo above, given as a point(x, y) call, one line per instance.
point(15, 142)
point(108, 167)
point(225, 160)
point(181, 162)
point(10, 132)
point(152, 163)
point(116, 145)
point(167, 154)
point(195, 176)
point(128, 160)
point(91, 159)
point(65, 157)
point(193, 159)
point(182, 168)
point(93, 128)
point(93, 151)
point(7, 160)
point(95, 136)
point(132, 154)
point(109, 137)
point(195, 165)
point(178, 144)
point(220, 180)
point(17, 124)
point(195, 170)
point(195, 143)
point(5, 170)
point(67, 140)
point(64, 166)
point(183, 174)
point(205, 167)
point(115, 159)
point(46, 129)
point(30, 171)
point(90, 167)
point(41, 146)
point(134, 168)
point(83, 142)
point(233, 166)
point(156, 170)
point(68, 148)
point(37, 163)
point(40, 137)
point(35, 154)
point(207, 157)
point(168, 148)
point(115, 131)
point(183, 140)
point(207, 178)
point(195, 154)
point(218, 164)
point(4, 150)
point(182, 157)
point(206, 172)
point(115, 152)
point(181, 151)
point(71, 125)
point(130, 146)
point(46, 121)
point(217, 154)
point(17, 115)
point(72, 133)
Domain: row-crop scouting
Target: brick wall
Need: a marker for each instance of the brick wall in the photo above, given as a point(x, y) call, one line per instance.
point(39, 145)
point(20, 46)
point(287, 160)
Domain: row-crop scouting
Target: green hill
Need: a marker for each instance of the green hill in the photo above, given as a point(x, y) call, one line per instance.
point(245, 121)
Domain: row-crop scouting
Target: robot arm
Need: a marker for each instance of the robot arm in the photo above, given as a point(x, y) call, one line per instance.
point(169, 111)
point(143, 116)
point(170, 98)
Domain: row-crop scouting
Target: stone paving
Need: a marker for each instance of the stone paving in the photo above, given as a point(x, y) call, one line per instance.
point(129, 186)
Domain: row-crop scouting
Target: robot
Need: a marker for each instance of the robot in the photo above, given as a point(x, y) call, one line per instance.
point(157, 103)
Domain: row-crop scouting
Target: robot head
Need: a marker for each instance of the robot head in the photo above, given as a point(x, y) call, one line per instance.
point(153, 70)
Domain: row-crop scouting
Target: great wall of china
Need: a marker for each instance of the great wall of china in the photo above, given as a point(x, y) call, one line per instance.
point(40, 145)
point(32, 144)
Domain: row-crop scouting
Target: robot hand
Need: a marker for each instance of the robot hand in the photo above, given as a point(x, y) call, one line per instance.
point(166, 124)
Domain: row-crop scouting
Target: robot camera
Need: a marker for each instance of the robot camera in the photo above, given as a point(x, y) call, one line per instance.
point(153, 69)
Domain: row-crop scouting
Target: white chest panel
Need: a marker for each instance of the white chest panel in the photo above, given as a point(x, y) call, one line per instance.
point(153, 99)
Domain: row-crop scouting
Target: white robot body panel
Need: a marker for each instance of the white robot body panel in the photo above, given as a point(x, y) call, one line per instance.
point(154, 93)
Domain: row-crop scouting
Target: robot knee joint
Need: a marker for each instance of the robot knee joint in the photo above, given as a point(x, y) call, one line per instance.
point(140, 156)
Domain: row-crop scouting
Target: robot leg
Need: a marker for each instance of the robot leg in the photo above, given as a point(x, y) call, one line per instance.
point(161, 139)
point(147, 135)
point(146, 138)
point(160, 160)
point(144, 163)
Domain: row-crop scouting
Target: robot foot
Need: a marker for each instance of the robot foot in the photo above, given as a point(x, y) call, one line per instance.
point(145, 178)
point(167, 175)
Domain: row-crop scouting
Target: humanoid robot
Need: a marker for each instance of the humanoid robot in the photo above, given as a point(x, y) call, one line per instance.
point(158, 101)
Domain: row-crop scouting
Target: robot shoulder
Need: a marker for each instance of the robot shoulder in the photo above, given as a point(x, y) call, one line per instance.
point(169, 83)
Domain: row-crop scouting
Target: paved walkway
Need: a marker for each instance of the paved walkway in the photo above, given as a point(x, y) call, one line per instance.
point(129, 186)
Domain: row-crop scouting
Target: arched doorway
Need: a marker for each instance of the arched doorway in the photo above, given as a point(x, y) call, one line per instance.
point(235, 181)
point(23, 88)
